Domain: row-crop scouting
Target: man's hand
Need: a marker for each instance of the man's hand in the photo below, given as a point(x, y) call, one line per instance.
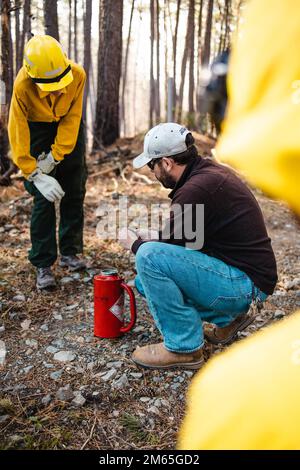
point(127, 238)
point(47, 185)
point(46, 162)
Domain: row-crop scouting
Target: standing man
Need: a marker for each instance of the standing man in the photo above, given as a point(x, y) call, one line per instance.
point(187, 282)
point(48, 145)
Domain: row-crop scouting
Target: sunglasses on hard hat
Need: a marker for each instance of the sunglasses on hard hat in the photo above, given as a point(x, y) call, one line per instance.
point(153, 162)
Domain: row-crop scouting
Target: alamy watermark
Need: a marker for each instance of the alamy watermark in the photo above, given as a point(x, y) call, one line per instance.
point(184, 224)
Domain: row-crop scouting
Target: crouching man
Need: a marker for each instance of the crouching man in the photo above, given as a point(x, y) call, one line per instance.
point(216, 280)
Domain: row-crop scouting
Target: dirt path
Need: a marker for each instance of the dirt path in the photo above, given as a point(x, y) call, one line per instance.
point(97, 399)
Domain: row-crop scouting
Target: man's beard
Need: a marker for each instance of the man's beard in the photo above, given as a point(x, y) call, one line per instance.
point(165, 179)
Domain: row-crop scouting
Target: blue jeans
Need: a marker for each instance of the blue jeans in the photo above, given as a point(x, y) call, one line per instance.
point(184, 287)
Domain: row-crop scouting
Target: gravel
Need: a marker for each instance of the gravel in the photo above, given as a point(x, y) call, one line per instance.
point(111, 374)
point(65, 393)
point(47, 342)
point(64, 356)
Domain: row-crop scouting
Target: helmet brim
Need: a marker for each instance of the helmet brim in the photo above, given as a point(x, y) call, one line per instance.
point(64, 82)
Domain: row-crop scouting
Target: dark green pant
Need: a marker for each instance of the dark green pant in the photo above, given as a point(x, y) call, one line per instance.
point(71, 174)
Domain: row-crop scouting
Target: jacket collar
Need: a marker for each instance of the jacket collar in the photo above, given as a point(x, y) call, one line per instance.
point(185, 175)
point(43, 94)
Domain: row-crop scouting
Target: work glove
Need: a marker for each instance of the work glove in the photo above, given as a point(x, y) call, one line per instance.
point(47, 185)
point(46, 162)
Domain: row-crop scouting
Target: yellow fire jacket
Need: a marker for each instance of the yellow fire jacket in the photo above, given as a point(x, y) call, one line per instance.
point(248, 397)
point(30, 103)
point(261, 132)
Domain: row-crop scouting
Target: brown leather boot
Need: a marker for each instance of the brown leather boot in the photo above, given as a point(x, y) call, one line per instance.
point(217, 335)
point(156, 356)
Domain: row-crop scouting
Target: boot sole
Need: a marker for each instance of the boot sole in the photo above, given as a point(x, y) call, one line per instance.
point(182, 365)
point(230, 338)
point(50, 287)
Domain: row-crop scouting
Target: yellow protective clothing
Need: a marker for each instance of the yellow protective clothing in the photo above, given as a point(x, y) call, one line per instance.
point(261, 131)
point(47, 64)
point(248, 397)
point(30, 103)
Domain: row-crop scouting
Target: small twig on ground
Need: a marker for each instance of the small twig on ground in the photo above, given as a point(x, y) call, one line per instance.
point(104, 172)
point(142, 177)
point(122, 174)
point(21, 406)
point(91, 434)
point(127, 443)
point(116, 187)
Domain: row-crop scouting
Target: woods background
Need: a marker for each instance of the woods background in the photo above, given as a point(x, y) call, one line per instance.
point(131, 50)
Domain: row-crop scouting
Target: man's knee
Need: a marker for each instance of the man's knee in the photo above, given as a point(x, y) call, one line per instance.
point(139, 286)
point(147, 251)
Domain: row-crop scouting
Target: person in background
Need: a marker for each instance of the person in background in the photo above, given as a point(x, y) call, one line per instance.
point(248, 398)
point(48, 145)
point(213, 91)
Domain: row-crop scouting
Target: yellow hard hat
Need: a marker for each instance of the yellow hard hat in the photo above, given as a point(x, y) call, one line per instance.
point(261, 133)
point(47, 64)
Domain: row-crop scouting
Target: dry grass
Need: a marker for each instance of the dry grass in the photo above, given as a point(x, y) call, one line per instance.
point(110, 419)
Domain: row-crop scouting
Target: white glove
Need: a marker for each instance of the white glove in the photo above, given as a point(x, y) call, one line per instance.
point(46, 163)
point(47, 185)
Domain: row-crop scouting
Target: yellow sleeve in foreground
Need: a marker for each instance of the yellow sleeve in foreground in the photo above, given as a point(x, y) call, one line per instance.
point(260, 136)
point(19, 136)
point(247, 398)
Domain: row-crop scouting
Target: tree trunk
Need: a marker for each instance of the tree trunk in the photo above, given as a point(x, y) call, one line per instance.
point(75, 32)
point(5, 82)
point(186, 55)
point(199, 53)
point(152, 84)
point(206, 55)
point(107, 128)
point(192, 60)
point(166, 60)
point(154, 81)
point(5, 61)
point(206, 49)
point(26, 34)
point(87, 51)
point(157, 88)
point(125, 67)
point(175, 51)
point(92, 93)
point(227, 23)
point(17, 35)
point(51, 20)
point(11, 52)
point(70, 30)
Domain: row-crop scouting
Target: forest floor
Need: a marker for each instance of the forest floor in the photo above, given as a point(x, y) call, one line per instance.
point(96, 398)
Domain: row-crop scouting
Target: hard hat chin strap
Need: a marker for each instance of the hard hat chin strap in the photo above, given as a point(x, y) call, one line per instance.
point(54, 79)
